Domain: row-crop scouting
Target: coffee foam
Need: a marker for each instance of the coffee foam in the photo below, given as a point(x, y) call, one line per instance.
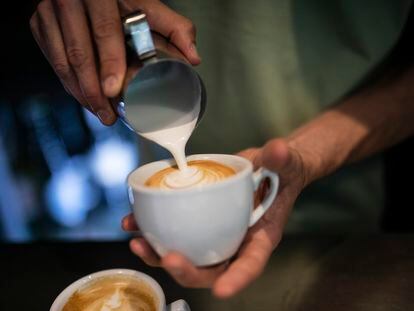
point(198, 173)
point(120, 293)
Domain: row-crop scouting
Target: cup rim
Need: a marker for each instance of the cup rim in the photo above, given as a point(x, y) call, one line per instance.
point(247, 169)
point(61, 299)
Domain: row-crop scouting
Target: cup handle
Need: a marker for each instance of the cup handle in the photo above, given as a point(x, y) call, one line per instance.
point(258, 177)
point(179, 305)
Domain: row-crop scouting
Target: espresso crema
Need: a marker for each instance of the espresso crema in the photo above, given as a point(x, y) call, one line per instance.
point(198, 173)
point(113, 293)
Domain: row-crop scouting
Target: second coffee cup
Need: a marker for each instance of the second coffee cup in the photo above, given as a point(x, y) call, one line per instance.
point(206, 223)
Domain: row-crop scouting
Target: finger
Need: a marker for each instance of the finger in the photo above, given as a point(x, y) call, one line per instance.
point(246, 268)
point(180, 30)
point(183, 36)
point(79, 51)
point(143, 250)
point(129, 223)
point(275, 155)
point(108, 35)
point(46, 31)
point(35, 28)
point(251, 154)
point(279, 157)
point(186, 274)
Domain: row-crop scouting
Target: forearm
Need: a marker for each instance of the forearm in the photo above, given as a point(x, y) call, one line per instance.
point(358, 127)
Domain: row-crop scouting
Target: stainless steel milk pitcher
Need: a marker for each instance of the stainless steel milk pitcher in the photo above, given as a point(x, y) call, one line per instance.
point(166, 92)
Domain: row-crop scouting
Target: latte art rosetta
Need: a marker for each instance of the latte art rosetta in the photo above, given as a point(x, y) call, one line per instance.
point(199, 173)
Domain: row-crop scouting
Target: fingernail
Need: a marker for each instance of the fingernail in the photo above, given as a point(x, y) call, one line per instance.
point(124, 222)
point(193, 48)
point(104, 115)
point(137, 248)
point(111, 87)
point(224, 291)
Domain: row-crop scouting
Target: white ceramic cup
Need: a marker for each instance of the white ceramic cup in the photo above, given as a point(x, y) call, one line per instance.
point(179, 305)
point(206, 224)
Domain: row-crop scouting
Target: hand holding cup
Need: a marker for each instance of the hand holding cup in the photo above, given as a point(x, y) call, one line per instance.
point(228, 278)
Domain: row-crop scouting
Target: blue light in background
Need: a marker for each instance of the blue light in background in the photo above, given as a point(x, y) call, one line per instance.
point(95, 180)
point(82, 180)
point(70, 194)
point(112, 160)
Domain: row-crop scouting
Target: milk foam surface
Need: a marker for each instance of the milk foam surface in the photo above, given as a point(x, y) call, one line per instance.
point(118, 293)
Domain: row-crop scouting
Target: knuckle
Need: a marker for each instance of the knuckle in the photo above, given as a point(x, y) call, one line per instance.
point(104, 28)
point(188, 26)
point(77, 57)
point(249, 273)
point(111, 64)
point(92, 97)
point(42, 7)
point(62, 69)
point(61, 4)
point(109, 59)
point(43, 12)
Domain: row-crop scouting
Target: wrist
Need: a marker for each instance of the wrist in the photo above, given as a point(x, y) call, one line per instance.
point(310, 163)
point(327, 142)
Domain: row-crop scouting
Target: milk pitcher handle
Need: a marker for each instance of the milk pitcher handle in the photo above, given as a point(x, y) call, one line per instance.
point(179, 305)
point(136, 26)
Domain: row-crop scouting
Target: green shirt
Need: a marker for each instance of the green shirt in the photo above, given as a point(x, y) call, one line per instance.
point(271, 65)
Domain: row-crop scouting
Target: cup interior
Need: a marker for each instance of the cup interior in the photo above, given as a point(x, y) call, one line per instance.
point(63, 297)
point(138, 177)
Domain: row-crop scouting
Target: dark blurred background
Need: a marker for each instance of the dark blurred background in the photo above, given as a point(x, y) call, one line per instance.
point(62, 174)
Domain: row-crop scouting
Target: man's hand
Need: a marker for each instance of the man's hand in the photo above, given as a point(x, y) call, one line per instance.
point(84, 43)
point(228, 279)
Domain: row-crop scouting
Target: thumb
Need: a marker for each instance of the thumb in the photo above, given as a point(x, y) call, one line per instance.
point(253, 155)
point(275, 156)
point(179, 29)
